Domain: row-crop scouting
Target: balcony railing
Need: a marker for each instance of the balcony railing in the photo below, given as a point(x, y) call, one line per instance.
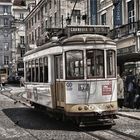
point(125, 30)
point(71, 30)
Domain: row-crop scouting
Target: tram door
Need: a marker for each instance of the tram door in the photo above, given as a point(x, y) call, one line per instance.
point(59, 83)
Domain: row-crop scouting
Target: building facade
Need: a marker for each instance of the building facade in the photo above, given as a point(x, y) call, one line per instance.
point(20, 10)
point(123, 18)
point(49, 15)
point(6, 35)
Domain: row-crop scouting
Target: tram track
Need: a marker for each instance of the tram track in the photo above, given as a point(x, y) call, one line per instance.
point(109, 135)
point(25, 130)
point(94, 134)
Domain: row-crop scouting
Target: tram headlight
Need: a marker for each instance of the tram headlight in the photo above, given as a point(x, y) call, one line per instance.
point(79, 108)
point(85, 108)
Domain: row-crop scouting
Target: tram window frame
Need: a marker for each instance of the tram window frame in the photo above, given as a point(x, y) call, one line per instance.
point(45, 76)
point(29, 72)
point(37, 70)
point(59, 70)
point(71, 67)
point(33, 70)
point(112, 64)
point(95, 63)
point(40, 70)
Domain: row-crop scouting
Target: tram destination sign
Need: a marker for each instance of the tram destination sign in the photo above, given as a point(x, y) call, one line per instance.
point(70, 30)
point(93, 29)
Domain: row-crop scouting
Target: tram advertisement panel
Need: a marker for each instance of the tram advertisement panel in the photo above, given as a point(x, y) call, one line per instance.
point(91, 92)
point(39, 94)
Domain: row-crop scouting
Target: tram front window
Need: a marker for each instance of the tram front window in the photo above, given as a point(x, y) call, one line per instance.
point(74, 65)
point(111, 71)
point(95, 63)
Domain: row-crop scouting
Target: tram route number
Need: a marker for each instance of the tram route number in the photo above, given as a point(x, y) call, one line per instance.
point(83, 87)
point(69, 85)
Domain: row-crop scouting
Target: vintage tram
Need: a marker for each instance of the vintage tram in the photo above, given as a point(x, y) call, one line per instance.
point(74, 78)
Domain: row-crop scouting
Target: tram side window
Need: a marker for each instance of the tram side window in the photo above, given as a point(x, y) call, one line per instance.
point(59, 67)
point(74, 64)
point(33, 71)
point(111, 71)
point(36, 68)
point(45, 70)
point(41, 69)
point(28, 74)
point(95, 63)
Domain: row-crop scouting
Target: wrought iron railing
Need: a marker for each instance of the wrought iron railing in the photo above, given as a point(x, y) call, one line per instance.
point(125, 30)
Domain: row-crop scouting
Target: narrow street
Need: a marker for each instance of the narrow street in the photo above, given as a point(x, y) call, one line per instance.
point(18, 121)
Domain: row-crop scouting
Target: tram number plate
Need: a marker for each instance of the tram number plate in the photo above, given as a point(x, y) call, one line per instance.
point(83, 87)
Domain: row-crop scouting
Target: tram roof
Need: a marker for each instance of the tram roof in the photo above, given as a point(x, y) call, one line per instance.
point(76, 40)
point(87, 39)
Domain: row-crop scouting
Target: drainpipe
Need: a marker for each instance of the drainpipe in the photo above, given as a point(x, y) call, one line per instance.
point(138, 27)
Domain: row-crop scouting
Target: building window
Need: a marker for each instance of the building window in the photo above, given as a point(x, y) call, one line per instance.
point(32, 21)
point(5, 9)
point(50, 4)
point(22, 52)
point(38, 15)
point(55, 18)
point(21, 16)
point(41, 12)
point(5, 33)
point(5, 21)
point(29, 24)
point(54, 2)
point(32, 37)
point(103, 19)
point(42, 28)
point(45, 7)
point(76, 16)
point(131, 14)
point(29, 38)
point(46, 23)
point(35, 18)
point(21, 39)
point(35, 34)
point(6, 60)
point(50, 22)
point(6, 46)
point(38, 31)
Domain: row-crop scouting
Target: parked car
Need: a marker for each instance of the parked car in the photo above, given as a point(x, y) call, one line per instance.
point(14, 79)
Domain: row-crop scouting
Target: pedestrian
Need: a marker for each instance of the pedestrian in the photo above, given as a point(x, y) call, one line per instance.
point(137, 95)
point(120, 91)
point(131, 88)
point(21, 81)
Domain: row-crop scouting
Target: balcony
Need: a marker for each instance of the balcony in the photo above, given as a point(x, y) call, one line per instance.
point(125, 30)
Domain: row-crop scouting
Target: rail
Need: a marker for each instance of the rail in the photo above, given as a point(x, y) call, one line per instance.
point(4, 89)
